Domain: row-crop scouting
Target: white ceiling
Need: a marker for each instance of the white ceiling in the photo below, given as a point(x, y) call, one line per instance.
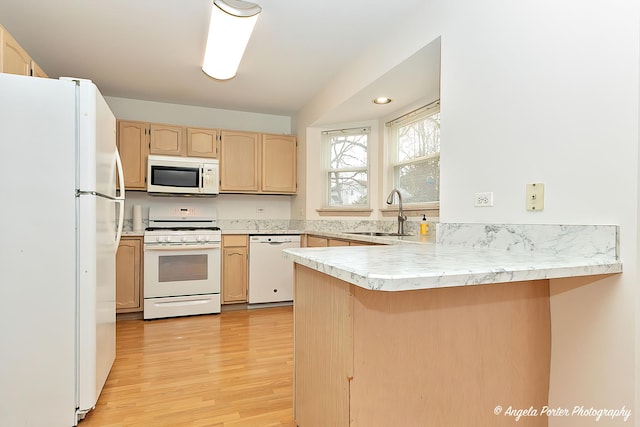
point(152, 50)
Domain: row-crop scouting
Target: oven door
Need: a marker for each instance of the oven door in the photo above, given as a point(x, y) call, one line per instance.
point(178, 270)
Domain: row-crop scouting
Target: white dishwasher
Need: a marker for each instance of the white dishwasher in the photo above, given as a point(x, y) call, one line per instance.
point(270, 274)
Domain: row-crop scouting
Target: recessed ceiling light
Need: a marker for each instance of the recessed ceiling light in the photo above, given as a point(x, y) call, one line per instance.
point(382, 100)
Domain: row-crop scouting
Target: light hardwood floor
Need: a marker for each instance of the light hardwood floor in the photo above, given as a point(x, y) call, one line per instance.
point(228, 370)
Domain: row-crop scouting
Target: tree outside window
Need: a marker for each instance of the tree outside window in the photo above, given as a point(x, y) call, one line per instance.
point(348, 167)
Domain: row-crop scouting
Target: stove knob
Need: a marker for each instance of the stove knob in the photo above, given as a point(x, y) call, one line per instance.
point(167, 239)
point(200, 239)
point(184, 238)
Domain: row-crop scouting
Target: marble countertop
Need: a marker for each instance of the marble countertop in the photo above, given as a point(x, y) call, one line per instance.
point(465, 254)
point(401, 267)
point(240, 231)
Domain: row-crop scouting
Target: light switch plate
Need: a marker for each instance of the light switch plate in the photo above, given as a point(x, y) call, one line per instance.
point(535, 197)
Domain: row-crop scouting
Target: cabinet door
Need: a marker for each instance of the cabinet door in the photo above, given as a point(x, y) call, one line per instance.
point(357, 243)
point(36, 71)
point(239, 162)
point(315, 242)
point(235, 274)
point(202, 142)
point(128, 275)
point(278, 164)
point(166, 140)
point(133, 144)
point(15, 60)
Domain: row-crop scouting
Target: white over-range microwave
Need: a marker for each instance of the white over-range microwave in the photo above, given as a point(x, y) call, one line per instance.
point(182, 175)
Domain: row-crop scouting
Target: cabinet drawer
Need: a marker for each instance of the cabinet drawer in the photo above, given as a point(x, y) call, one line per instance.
point(234, 240)
point(315, 241)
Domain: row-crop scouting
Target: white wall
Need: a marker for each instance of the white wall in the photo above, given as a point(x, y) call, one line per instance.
point(228, 206)
point(553, 98)
point(188, 115)
point(401, 43)
point(545, 92)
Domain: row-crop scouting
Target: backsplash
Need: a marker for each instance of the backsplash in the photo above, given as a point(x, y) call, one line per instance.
point(255, 224)
point(578, 240)
point(358, 225)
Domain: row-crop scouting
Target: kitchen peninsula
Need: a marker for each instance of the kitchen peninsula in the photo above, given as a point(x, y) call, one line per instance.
point(435, 334)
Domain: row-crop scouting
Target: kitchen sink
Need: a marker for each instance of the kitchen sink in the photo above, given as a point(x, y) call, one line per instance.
point(378, 233)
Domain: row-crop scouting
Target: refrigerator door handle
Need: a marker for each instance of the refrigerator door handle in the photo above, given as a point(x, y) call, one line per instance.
point(120, 198)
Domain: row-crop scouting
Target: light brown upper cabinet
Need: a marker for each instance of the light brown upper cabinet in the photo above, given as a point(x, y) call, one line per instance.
point(133, 144)
point(14, 59)
point(202, 142)
point(239, 155)
point(167, 140)
point(257, 163)
point(36, 71)
point(278, 164)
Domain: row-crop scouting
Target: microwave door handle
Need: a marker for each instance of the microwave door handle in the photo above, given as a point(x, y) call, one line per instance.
point(201, 179)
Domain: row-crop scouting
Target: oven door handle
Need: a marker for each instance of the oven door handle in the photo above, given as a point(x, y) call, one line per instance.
point(180, 247)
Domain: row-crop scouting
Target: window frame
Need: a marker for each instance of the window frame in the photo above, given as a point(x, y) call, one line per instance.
point(344, 209)
point(393, 164)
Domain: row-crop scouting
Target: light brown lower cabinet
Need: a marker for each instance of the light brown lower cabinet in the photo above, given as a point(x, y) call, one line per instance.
point(129, 275)
point(338, 242)
point(235, 268)
point(319, 241)
point(431, 357)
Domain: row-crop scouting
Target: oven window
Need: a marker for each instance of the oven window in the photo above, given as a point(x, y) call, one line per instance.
point(182, 268)
point(169, 176)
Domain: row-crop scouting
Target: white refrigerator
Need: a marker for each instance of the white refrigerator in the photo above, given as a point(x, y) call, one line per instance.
point(58, 240)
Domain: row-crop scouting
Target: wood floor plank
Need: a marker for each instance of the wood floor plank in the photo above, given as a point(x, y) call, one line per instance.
point(234, 369)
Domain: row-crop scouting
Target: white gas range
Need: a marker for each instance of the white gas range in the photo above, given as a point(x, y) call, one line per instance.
point(181, 262)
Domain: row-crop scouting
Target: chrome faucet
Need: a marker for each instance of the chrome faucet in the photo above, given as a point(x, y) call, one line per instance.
point(401, 216)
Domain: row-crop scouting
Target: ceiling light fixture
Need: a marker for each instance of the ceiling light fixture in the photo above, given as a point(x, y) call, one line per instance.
point(382, 100)
point(231, 25)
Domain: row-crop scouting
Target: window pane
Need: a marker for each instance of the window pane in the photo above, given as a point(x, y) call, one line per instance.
point(419, 139)
point(347, 188)
point(348, 151)
point(419, 182)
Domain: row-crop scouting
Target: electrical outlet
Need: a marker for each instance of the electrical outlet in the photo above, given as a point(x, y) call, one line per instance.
point(535, 197)
point(483, 200)
point(260, 210)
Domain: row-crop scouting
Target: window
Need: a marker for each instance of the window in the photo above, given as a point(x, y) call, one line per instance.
point(415, 138)
point(347, 166)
